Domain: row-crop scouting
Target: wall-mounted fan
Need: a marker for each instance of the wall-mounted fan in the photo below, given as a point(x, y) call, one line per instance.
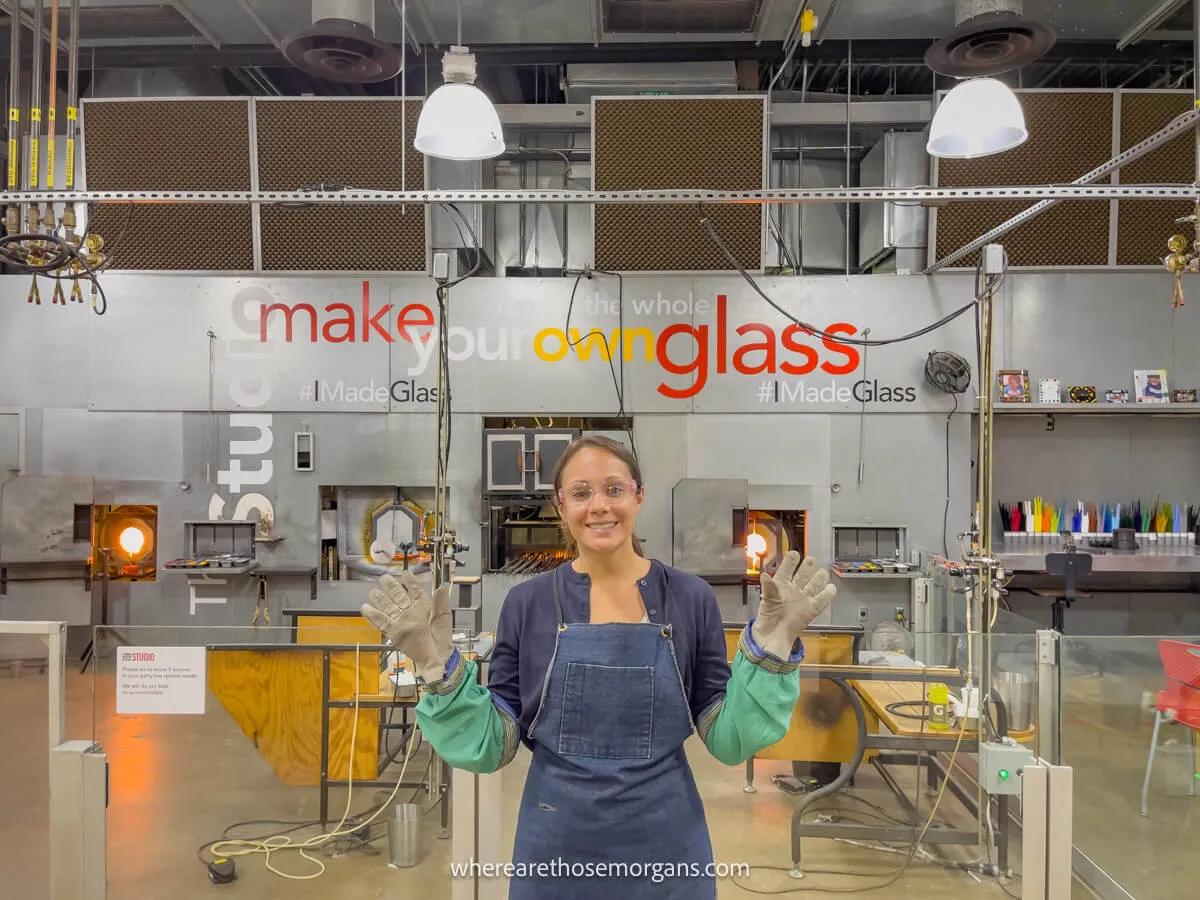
point(947, 372)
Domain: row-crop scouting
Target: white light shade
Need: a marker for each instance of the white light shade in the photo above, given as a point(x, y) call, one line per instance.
point(458, 121)
point(977, 118)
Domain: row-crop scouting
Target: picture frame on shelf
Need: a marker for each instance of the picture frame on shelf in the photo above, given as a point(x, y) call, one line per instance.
point(1183, 395)
point(1014, 385)
point(1119, 396)
point(1081, 394)
point(1150, 386)
point(1049, 390)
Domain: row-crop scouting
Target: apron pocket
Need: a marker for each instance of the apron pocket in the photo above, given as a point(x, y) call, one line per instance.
point(607, 711)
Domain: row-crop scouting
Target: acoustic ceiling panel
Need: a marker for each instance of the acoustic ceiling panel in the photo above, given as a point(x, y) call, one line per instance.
point(170, 145)
point(1143, 226)
point(1070, 133)
point(662, 143)
point(355, 143)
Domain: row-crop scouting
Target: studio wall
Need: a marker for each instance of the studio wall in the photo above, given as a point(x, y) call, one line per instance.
point(719, 384)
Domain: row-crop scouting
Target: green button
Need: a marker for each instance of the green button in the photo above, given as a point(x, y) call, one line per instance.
point(1003, 774)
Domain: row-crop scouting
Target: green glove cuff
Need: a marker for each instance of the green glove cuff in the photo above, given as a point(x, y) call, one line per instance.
point(778, 653)
point(448, 678)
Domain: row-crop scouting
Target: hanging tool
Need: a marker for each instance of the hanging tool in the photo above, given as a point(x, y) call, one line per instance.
point(261, 603)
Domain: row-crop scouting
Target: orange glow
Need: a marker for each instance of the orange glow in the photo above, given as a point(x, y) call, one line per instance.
point(756, 545)
point(132, 541)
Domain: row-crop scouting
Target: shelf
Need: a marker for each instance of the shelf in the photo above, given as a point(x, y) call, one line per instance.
point(876, 576)
point(1093, 409)
point(47, 568)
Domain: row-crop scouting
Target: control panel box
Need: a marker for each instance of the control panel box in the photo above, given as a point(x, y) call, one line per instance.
point(1000, 767)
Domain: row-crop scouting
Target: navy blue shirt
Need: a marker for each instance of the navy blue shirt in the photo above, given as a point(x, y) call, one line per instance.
point(528, 625)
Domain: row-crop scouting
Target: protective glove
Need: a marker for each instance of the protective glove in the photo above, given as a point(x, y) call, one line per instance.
point(796, 595)
point(416, 625)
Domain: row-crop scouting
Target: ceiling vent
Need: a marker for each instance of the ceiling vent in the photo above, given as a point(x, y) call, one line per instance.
point(341, 44)
point(992, 36)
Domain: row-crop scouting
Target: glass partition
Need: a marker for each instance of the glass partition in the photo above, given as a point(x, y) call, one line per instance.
point(227, 743)
point(1110, 690)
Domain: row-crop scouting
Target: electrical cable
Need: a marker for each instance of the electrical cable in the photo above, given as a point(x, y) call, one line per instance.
point(618, 384)
point(281, 842)
point(707, 225)
point(946, 511)
point(894, 709)
point(895, 876)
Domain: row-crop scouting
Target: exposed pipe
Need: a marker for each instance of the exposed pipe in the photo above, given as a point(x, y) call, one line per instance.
point(35, 116)
point(51, 110)
point(1196, 76)
point(12, 216)
point(72, 116)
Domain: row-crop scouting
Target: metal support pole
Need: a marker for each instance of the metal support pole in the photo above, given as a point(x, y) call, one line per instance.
point(1049, 673)
point(1196, 77)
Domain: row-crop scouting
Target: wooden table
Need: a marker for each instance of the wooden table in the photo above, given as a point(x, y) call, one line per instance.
point(879, 695)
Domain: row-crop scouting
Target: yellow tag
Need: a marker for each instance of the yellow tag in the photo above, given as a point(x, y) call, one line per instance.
point(36, 115)
point(12, 164)
point(71, 113)
point(14, 115)
point(33, 162)
point(50, 114)
point(50, 162)
point(71, 163)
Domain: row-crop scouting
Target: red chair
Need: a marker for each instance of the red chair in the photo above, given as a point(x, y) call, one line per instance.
point(1178, 704)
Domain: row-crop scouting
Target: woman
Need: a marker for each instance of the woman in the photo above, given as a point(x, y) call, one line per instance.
point(603, 668)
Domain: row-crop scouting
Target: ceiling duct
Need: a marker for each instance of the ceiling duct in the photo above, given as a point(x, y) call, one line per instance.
point(680, 16)
point(587, 80)
point(341, 44)
point(110, 84)
point(990, 37)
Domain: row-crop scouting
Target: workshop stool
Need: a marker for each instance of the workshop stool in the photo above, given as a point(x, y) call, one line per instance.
point(1069, 567)
point(1179, 704)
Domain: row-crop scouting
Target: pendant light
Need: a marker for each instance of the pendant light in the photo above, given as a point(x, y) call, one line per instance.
point(977, 118)
point(458, 121)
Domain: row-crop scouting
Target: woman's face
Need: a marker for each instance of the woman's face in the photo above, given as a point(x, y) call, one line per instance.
point(598, 501)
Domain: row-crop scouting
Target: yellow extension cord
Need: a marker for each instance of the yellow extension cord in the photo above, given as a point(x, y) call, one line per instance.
point(267, 846)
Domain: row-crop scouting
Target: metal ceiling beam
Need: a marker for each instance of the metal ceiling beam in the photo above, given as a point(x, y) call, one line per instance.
point(427, 23)
point(409, 33)
point(578, 116)
point(196, 22)
point(27, 20)
point(1151, 20)
point(865, 53)
point(1189, 192)
point(1183, 124)
point(263, 27)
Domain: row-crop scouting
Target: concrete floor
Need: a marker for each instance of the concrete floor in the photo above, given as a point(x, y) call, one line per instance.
point(176, 782)
point(1106, 746)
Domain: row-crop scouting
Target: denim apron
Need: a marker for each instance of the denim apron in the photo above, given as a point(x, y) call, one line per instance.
point(610, 808)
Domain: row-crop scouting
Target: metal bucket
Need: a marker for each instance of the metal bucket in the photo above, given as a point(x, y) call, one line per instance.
point(404, 836)
point(1019, 692)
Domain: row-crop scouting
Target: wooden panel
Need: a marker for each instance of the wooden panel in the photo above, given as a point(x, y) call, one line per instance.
point(174, 145)
point(336, 630)
point(822, 727)
point(678, 143)
point(1070, 133)
point(359, 143)
point(1143, 226)
point(275, 698)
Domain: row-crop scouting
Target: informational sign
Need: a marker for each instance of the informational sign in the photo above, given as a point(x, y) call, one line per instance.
point(161, 681)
